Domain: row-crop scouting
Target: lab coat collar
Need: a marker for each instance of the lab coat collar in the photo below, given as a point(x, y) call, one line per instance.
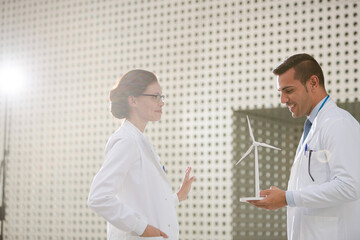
point(330, 103)
point(315, 122)
point(145, 143)
point(316, 109)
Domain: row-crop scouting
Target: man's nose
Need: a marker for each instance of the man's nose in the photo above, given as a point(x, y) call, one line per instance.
point(283, 98)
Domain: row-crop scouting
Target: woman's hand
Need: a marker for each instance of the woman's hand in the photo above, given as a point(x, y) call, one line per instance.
point(186, 185)
point(151, 231)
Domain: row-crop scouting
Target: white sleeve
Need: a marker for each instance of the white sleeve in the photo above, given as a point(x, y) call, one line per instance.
point(176, 199)
point(342, 139)
point(109, 181)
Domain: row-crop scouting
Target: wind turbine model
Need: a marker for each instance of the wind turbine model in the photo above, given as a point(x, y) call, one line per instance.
point(255, 145)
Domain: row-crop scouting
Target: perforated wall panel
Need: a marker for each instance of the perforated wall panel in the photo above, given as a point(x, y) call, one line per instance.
point(211, 57)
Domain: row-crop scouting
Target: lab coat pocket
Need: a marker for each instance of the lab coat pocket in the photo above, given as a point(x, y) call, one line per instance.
point(319, 227)
point(318, 166)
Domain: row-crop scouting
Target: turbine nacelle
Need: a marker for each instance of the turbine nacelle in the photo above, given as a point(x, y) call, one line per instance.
point(255, 143)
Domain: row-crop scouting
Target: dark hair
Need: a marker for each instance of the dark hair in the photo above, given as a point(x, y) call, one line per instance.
point(304, 65)
point(133, 83)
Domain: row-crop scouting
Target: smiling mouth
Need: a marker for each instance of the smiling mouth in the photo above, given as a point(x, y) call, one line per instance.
point(291, 106)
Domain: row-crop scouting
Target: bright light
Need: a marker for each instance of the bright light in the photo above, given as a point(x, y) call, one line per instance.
point(12, 79)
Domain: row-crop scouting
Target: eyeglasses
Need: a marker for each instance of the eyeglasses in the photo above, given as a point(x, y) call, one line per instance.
point(156, 97)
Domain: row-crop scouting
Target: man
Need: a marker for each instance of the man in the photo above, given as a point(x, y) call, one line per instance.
point(323, 196)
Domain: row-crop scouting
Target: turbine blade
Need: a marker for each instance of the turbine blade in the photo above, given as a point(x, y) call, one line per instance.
point(247, 153)
point(269, 146)
point(250, 130)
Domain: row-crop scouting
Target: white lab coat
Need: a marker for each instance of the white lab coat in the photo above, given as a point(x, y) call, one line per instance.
point(132, 190)
point(327, 207)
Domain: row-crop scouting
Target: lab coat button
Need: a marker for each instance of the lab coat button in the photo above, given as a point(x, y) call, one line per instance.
point(169, 225)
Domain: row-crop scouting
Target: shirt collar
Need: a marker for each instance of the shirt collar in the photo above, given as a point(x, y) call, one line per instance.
point(314, 112)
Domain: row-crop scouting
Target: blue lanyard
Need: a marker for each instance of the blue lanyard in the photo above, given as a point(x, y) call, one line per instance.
point(327, 97)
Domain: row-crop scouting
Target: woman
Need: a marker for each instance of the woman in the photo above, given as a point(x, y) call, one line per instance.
point(131, 190)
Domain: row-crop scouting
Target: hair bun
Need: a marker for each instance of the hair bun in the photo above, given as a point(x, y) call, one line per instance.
point(118, 109)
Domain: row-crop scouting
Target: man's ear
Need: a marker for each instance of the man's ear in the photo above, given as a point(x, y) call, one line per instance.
point(314, 82)
point(132, 101)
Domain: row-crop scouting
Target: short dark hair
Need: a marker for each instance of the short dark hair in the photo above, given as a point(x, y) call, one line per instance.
point(304, 65)
point(133, 83)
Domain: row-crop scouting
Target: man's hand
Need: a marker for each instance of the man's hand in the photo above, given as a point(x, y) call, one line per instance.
point(151, 231)
point(185, 186)
point(275, 199)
